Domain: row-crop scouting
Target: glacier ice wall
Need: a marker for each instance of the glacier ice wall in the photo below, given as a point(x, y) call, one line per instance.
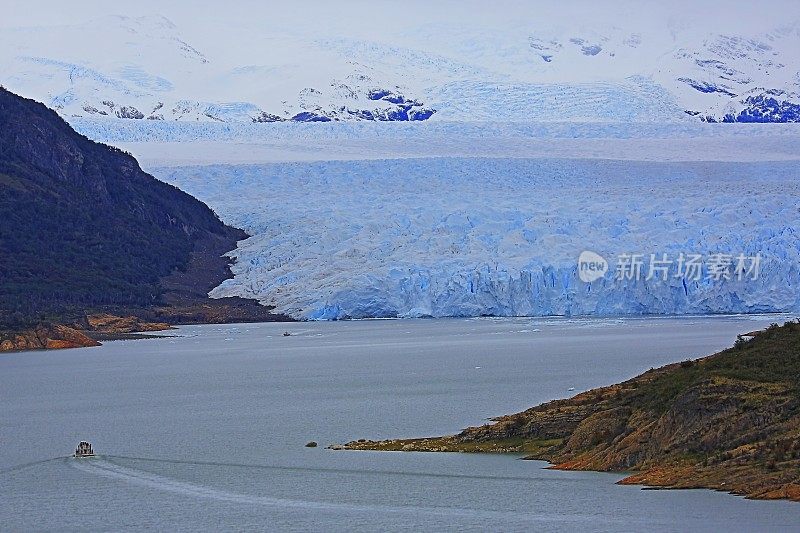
point(475, 236)
point(119, 131)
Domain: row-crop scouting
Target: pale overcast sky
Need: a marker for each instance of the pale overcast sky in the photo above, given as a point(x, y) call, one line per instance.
point(392, 15)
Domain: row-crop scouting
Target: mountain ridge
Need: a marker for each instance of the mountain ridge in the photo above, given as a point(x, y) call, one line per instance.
point(148, 70)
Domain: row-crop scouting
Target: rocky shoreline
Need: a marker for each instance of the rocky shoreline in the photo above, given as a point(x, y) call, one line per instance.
point(91, 330)
point(82, 334)
point(44, 337)
point(728, 422)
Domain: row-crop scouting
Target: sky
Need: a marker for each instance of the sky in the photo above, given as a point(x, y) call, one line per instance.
point(391, 16)
point(236, 28)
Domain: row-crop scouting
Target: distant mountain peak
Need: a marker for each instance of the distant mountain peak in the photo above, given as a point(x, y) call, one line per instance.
point(546, 72)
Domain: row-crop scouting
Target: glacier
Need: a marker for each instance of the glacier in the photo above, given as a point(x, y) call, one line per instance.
point(174, 143)
point(456, 236)
point(456, 164)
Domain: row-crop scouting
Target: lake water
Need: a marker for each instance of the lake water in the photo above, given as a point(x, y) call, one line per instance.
point(207, 430)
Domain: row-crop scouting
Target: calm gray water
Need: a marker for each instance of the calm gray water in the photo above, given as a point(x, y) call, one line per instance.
point(206, 431)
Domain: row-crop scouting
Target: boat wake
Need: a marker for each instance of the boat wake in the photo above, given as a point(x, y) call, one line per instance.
point(323, 470)
point(106, 468)
point(29, 465)
point(111, 470)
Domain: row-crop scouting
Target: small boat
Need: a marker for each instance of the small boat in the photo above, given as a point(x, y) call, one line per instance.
point(84, 449)
point(287, 334)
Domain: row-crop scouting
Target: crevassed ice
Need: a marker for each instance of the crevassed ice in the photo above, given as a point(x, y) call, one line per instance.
point(470, 237)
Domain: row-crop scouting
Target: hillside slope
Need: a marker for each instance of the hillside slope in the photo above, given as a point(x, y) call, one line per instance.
point(84, 227)
point(730, 421)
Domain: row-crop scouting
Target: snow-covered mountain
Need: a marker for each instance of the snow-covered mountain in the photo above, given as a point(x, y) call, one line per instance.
point(535, 69)
point(144, 69)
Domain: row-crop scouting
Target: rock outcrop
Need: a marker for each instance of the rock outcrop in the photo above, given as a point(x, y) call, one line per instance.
point(50, 337)
point(116, 324)
point(79, 334)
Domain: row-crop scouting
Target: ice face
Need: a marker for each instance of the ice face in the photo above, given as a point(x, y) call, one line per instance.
point(475, 236)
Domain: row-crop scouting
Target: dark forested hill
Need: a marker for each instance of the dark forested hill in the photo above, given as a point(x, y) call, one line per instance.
point(82, 226)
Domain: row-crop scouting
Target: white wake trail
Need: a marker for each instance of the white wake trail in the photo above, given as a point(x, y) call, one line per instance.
point(104, 468)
